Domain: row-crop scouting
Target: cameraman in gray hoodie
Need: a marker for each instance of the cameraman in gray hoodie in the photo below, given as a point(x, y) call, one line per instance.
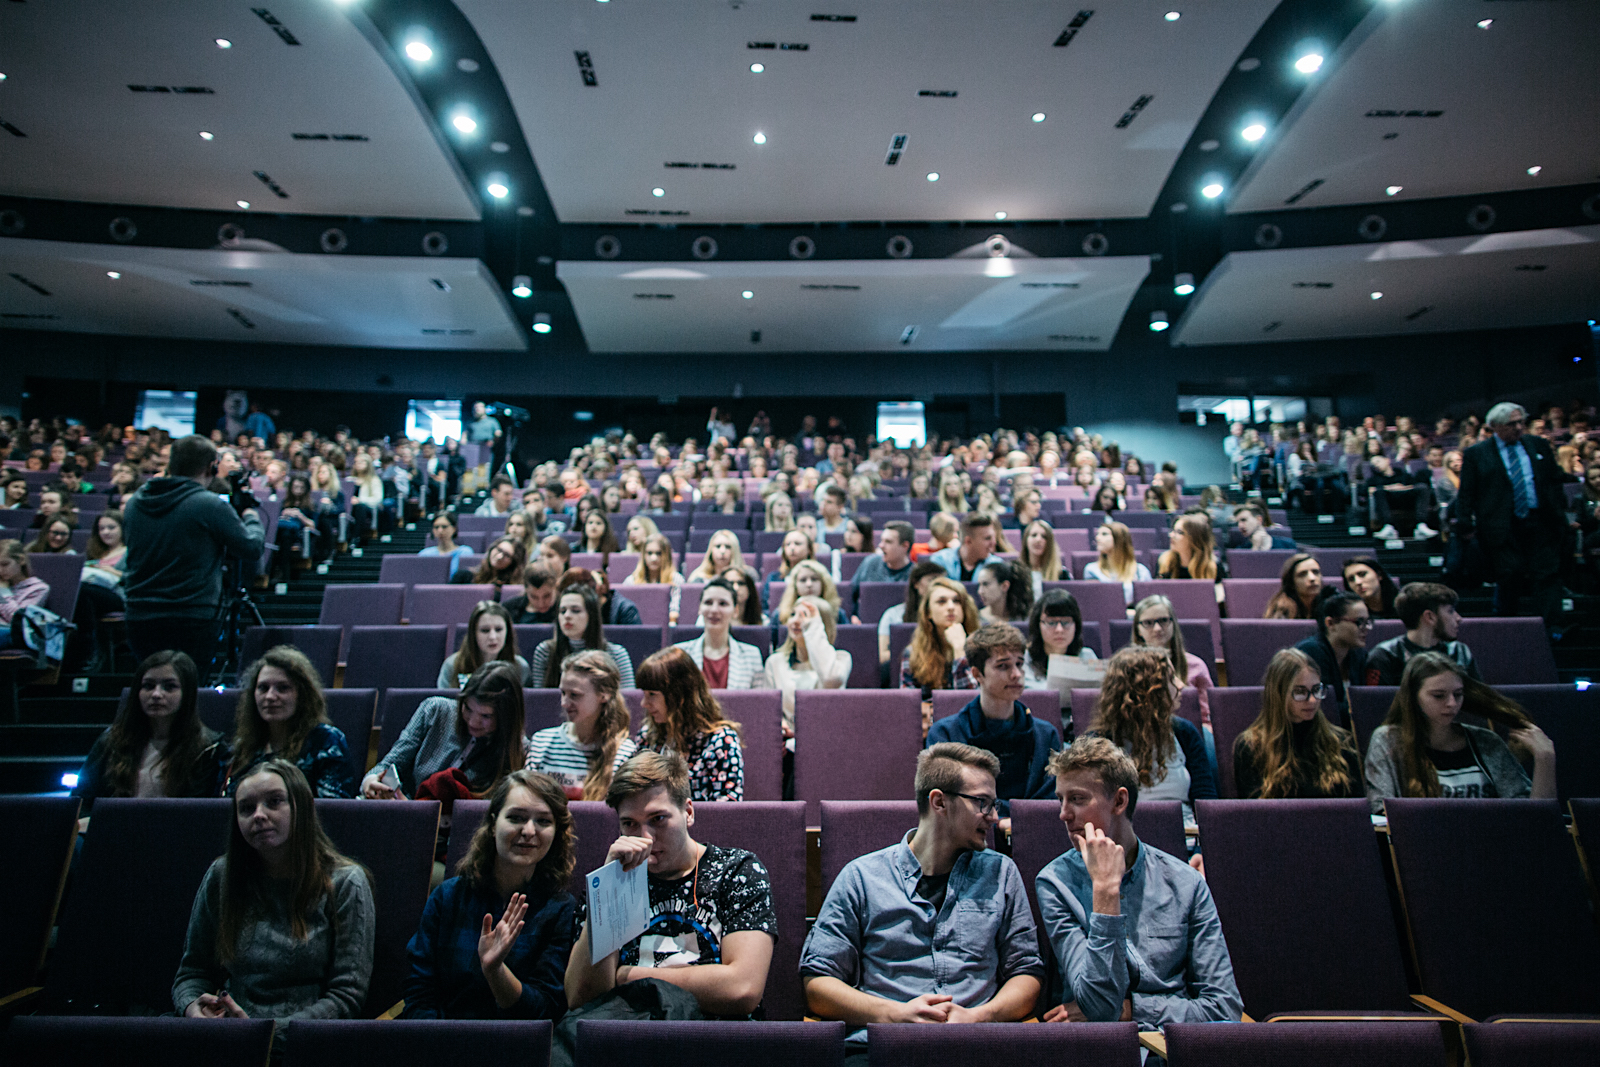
point(179, 532)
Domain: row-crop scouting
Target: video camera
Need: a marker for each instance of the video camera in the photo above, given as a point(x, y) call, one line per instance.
point(239, 494)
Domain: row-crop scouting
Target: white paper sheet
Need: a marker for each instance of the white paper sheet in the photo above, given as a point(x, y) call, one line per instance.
point(619, 907)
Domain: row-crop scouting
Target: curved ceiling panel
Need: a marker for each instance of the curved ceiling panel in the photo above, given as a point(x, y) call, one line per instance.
point(109, 99)
point(859, 105)
point(1438, 98)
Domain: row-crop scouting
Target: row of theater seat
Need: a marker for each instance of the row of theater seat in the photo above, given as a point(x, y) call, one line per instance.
point(1492, 894)
point(601, 1043)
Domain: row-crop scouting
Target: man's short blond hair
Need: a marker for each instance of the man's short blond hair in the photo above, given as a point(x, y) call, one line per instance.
point(939, 767)
point(1105, 760)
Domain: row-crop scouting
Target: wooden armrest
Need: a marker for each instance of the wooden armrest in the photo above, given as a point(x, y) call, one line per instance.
point(1544, 1019)
point(1155, 1042)
point(1433, 1005)
point(394, 1012)
point(1244, 1017)
point(20, 995)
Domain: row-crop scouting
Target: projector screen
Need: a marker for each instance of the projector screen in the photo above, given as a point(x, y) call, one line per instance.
point(903, 421)
point(165, 409)
point(437, 419)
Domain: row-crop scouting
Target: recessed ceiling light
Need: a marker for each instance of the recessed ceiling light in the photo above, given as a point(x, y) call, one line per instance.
point(245, 204)
point(1249, 63)
point(1376, 295)
point(499, 146)
point(748, 295)
point(1038, 116)
point(1173, 16)
point(760, 138)
point(541, 322)
point(464, 123)
point(1158, 321)
point(756, 68)
point(1183, 283)
point(1391, 190)
point(658, 191)
point(933, 175)
point(113, 274)
point(2, 77)
point(1309, 63)
point(419, 51)
point(1253, 132)
point(1210, 145)
point(522, 286)
point(1484, 24)
point(223, 42)
point(1000, 215)
point(1534, 170)
point(468, 66)
point(498, 190)
point(1211, 190)
point(207, 135)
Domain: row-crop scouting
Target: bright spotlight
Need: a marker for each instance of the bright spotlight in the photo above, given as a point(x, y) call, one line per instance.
point(1253, 132)
point(1172, 16)
point(1158, 321)
point(69, 780)
point(113, 274)
point(499, 190)
point(1484, 24)
point(223, 42)
point(760, 138)
point(522, 286)
point(1211, 190)
point(464, 123)
point(1000, 215)
point(1376, 295)
point(1532, 171)
point(1309, 63)
point(541, 322)
point(1038, 116)
point(933, 175)
point(1393, 189)
point(1183, 283)
point(419, 51)
point(658, 191)
point(756, 68)
point(207, 135)
point(244, 205)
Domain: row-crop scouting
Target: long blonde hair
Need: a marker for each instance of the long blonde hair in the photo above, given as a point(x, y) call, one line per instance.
point(776, 525)
point(830, 591)
point(1203, 561)
point(705, 572)
point(930, 654)
point(647, 524)
point(1048, 564)
point(1120, 562)
point(611, 725)
point(668, 573)
point(955, 502)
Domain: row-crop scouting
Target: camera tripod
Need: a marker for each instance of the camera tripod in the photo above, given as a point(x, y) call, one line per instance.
point(237, 611)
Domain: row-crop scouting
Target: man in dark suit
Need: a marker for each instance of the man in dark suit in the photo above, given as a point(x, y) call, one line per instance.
point(1512, 501)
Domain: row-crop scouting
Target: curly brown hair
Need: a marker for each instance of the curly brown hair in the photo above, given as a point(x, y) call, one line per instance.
point(1137, 699)
point(552, 873)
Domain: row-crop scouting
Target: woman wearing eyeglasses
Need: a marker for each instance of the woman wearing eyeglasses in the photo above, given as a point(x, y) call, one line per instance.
point(1292, 750)
point(1339, 647)
point(1155, 623)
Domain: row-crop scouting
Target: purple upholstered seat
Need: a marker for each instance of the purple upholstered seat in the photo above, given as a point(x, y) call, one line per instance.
point(1247, 598)
point(1233, 709)
point(127, 911)
point(861, 641)
point(759, 713)
point(1100, 602)
point(852, 828)
point(1272, 863)
point(1512, 651)
point(1244, 563)
point(62, 573)
point(695, 1044)
point(382, 657)
point(641, 641)
point(395, 711)
point(1043, 704)
point(776, 832)
point(1085, 700)
point(1376, 1044)
point(651, 600)
point(877, 598)
point(444, 605)
point(361, 605)
point(855, 744)
point(414, 570)
point(319, 643)
point(541, 709)
point(1250, 644)
point(342, 1043)
point(1196, 639)
point(1532, 1044)
point(37, 834)
point(171, 1042)
point(1369, 706)
point(394, 840)
point(709, 522)
point(900, 635)
point(1458, 863)
point(1003, 1045)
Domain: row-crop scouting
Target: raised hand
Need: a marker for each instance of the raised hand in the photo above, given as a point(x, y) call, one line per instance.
point(496, 938)
point(1532, 738)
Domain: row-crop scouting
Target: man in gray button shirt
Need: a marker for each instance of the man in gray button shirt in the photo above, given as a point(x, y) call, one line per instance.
point(1135, 930)
point(934, 929)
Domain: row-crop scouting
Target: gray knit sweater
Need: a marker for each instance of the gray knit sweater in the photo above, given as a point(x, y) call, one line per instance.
point(1386, 774)
point(273, 975)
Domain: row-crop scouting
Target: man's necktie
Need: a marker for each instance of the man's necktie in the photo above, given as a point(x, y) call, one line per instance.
point(1521, 491)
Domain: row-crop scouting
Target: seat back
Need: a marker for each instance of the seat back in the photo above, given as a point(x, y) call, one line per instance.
point(694, 1044)
point(1532, 1044)
point(1101, 602)
point(171, 1042)
point(414, 570)
point(1369, 706)
point(759, 713)
point(1460, 858)
point(775, 832)
point(319, 643)
point(127, 911)
point(1233, 709)
point(1371, 1044)
point(394, 656)
point(38, 834)
point(1004, 1045)
point(651, 600)
point(351, 711)
point(830, 760)
point(394, 840)
point(1272, 863)
point(852, 828)
point(861, 641)
point(640, 641)
point(541, 709)
point(62, 574)
point(444, 605)
point(1196, 640)
point(1247, 598)
point(1250, 644)
point(1244, 563)
point(878, 597)
point(342, 1043)
point(349, 606)
point(1511, 651)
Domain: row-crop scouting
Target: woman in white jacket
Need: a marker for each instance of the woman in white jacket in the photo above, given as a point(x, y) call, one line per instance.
point(808, 658)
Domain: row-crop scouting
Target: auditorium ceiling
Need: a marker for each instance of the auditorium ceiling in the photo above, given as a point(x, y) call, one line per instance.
point(884, 176)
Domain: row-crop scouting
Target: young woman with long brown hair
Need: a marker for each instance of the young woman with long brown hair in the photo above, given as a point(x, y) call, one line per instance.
point(490, 636)
point(684, 718)
point(282, 715)
point(578, 626)
point(1292, 750)
point(1193, 550)
point(583, 752)
point(1423, 750)
point(465, 963)
point(478, 732)
point(1299, 586)
point(934, 659)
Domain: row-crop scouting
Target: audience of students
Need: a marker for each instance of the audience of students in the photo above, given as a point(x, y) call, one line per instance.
point(537, 604)
point(18, 587)
point(978, 535)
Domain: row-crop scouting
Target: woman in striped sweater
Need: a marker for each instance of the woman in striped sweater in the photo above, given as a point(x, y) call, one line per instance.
point(583, 752)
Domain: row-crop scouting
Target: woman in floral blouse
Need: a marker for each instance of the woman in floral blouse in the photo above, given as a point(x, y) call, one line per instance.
point(685, 718)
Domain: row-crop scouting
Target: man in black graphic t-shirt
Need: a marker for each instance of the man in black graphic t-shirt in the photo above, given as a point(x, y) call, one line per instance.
point(712, 924)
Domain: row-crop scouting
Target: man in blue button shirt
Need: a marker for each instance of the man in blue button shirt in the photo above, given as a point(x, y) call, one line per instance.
point(934, 929)
point(1134, 929)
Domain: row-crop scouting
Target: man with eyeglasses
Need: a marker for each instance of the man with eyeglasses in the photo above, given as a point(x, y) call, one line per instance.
point(1339, 647)
point(997, 721)
point(933, 929)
